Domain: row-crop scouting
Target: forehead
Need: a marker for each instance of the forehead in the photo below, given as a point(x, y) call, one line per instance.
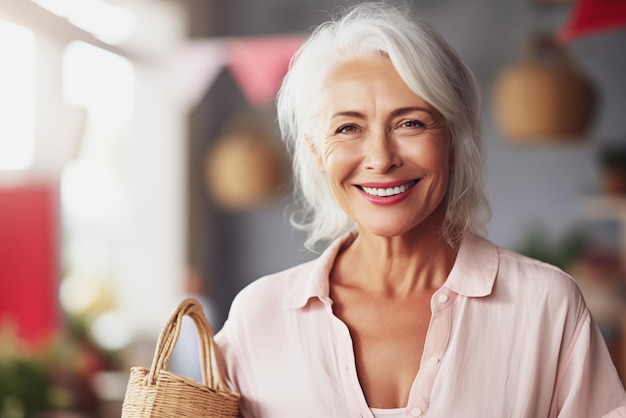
point(364, 83)
point(366, 70)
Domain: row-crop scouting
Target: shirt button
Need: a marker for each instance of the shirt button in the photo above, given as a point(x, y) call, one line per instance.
point(434, 360)
point(443, 298)
point(416, 412)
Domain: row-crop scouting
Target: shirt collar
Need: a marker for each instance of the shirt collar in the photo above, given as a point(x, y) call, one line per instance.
point(316, 280)
point(473, 274)
point(475, 268)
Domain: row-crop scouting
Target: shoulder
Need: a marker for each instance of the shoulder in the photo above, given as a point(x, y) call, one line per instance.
point(530, 269)
point(539, 280)
point(292, 287)
point(271, 292)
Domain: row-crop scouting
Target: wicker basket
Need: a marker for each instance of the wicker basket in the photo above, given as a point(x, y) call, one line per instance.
point(158, 393)
point(545, 97)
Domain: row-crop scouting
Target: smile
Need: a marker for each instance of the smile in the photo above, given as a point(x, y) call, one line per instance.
point(389, 191)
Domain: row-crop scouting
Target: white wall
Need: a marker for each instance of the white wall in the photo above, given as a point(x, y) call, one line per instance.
point(154, 250)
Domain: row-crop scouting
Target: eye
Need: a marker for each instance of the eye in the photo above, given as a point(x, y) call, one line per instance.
point(347, 129)
point(412, 123)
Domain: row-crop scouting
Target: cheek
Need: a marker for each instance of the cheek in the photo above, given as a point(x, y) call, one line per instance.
point(431, 155)
point(338, 156)
point(439, 154)
point(444, 161)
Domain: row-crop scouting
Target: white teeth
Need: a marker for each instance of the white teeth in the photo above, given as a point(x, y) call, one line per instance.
point(389, 191)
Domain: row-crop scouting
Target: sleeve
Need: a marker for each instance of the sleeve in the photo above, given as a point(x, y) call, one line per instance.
point(245, 341)
point(232, 367)
point(587, 384)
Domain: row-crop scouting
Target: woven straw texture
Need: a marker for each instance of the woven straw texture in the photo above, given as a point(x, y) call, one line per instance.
point(158, 393)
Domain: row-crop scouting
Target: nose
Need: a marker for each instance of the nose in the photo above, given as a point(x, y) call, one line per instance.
point(381, 155)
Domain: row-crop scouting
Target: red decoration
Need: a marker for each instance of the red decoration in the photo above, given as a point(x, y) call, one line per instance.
point(594, 16)
point(259, 64)
point(28, 260)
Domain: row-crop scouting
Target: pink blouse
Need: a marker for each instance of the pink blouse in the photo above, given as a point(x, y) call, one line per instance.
point(509, 337)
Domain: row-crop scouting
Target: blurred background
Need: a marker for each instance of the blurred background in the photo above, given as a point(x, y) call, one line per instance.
point(140, 164)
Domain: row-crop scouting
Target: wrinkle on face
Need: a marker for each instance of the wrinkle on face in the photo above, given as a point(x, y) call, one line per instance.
point(348, 102)
point(374, 130)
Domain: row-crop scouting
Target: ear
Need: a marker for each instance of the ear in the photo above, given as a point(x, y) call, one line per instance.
point(319, 163)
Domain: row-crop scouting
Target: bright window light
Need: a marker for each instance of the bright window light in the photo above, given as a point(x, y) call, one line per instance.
point(103, 83)
point(110, 23)
point(17, 97)
point(90, 190)
point(112, 330)
point(99, 80)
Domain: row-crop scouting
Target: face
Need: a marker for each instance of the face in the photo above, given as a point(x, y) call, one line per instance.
point(386, 151)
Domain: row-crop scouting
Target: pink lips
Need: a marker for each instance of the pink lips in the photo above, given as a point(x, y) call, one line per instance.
point(402, 190)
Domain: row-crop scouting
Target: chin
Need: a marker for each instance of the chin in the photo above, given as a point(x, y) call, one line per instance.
point(385, 231)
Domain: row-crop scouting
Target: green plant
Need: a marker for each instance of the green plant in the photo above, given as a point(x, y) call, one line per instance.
point(537, 243)
point(37, 379)
point(613, 156)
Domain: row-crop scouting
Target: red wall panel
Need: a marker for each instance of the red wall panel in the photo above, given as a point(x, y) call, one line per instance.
point(28, 259)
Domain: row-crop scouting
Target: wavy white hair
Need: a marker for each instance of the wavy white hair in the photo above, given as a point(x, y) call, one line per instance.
point(430, 68)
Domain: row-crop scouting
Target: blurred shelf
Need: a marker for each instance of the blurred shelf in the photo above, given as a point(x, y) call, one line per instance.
point(604, 208)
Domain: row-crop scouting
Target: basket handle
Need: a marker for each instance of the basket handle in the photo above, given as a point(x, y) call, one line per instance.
point(211, 375)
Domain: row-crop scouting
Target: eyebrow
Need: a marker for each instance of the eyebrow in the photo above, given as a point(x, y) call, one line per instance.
point(403, 110)
point(352, 113)
point(397, 112)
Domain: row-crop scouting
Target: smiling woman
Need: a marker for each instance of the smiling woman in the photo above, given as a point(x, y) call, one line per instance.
point(378, 135)
point(409, 311)
point(427, 67)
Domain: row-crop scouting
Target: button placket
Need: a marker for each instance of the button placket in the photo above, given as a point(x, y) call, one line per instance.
point(349, 379)
point(434, 350)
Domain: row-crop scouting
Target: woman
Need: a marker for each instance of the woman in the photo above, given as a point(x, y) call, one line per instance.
point(408, 312)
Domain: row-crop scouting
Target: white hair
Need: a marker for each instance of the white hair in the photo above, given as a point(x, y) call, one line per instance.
point(429, 67)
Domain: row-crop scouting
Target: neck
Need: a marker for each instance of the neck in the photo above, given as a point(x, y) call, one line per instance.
point(417, 261)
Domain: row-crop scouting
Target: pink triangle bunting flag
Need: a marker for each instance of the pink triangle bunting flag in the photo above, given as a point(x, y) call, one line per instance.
point(259, 64)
